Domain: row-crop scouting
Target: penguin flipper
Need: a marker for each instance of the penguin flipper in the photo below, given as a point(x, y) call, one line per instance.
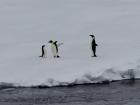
point(59, 44)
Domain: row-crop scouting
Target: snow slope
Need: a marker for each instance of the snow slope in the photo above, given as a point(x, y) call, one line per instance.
point(27, 24)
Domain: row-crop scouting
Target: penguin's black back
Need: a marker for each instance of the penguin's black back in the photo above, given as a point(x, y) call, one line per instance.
point(43, 52)
point(55, 43)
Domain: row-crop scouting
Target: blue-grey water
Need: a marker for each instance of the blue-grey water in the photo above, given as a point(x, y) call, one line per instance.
point(116, 93)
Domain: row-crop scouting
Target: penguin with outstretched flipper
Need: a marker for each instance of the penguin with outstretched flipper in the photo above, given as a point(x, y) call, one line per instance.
point(93, 45)
point(54, 48)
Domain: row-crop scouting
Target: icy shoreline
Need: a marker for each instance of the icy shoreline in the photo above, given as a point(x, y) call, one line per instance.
point(107, 76)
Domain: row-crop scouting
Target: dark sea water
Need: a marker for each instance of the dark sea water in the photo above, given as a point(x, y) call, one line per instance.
point(126, 92)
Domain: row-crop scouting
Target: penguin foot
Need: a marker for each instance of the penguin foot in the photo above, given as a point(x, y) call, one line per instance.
point(58, 56)
point(94, 56)
point(43, 56)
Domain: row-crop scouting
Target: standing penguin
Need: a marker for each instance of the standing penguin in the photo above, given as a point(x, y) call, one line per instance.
point(43, 51)
point(93, 45)
point(54, 48)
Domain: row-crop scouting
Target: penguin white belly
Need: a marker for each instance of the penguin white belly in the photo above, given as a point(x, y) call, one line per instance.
point(90, 47)
point(45, 52)
point(54, 50)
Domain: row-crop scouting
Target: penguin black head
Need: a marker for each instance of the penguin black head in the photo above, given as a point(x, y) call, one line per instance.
point(43, 45)
point(50, 41)
point(92, 36)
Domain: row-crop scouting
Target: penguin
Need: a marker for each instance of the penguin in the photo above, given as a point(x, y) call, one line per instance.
point(43, 51)
point(93, 45)
point(54, 48)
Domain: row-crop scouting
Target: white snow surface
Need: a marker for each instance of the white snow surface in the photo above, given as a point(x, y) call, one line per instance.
point(25, 25)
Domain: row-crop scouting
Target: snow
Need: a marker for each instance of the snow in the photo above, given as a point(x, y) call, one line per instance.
point(25, 25)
